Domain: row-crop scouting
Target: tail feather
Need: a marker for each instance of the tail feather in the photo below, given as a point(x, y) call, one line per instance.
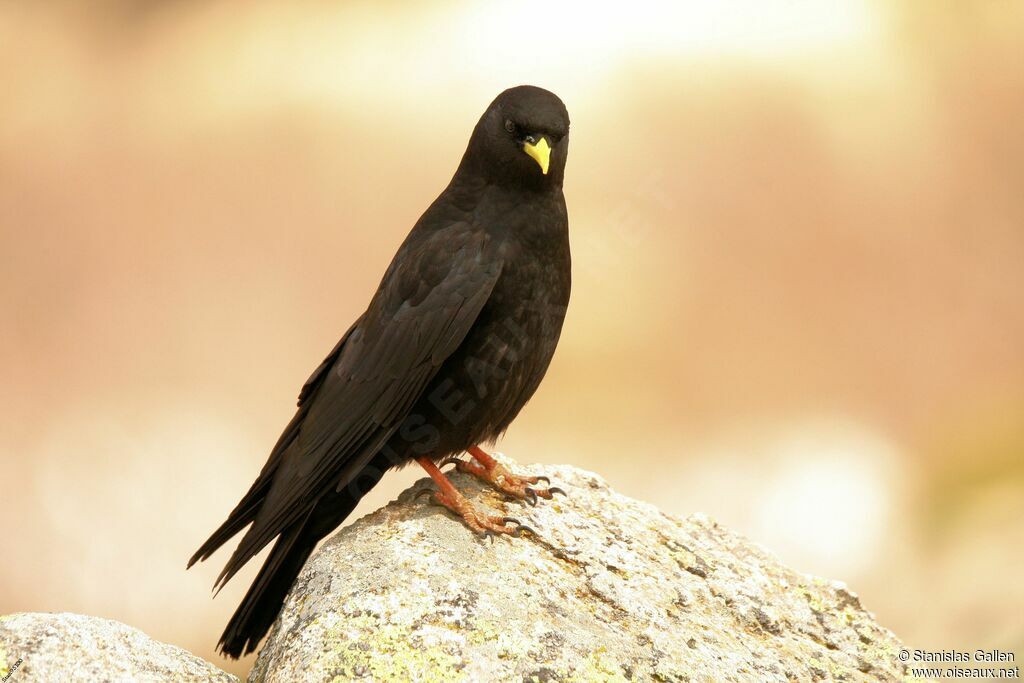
point(236, 521)
point(264, 599)
point(245, 512)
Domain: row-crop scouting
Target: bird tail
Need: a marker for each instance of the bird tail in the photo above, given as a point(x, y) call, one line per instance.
point(247, 509)
point(294, 545)
point(266, 595)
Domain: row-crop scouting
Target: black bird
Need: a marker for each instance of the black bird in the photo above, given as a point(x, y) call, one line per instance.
point(452, 346)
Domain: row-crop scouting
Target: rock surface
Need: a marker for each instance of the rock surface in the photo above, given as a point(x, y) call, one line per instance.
point(43, 648)
point(610, 589)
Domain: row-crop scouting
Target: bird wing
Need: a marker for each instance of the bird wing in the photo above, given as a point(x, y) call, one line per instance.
point(426, 304)
point(249, 506)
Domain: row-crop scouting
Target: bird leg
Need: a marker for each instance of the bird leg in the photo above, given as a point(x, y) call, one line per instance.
point(502, 479)
point(450, 497)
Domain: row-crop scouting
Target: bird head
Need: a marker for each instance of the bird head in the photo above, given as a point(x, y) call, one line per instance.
point(522, 139)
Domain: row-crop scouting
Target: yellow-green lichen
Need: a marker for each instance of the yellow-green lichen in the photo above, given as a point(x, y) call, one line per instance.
point(483, 631)
point(839, 671)
point(512, 646)
point(3, 661)
point(509, 645)
point(813, 599)
point(879, 651)
point(390, 655)
point(599, 667)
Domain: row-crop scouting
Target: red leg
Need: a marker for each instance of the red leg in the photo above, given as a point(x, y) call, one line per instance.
point(499, 476)
point(487, 461)
point(450, 497)
point(443, 483)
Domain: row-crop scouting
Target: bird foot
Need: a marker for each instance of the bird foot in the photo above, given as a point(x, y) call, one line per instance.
point(481, 523)
point(502, 479)
point(451, 498)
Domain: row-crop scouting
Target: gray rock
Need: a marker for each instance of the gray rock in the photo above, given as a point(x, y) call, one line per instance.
point(41, 647)
point(610, 589)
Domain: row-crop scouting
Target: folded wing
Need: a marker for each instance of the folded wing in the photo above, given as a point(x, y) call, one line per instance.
point(426, 304)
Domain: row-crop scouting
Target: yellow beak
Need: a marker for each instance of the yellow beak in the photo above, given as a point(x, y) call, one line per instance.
point(541, 153)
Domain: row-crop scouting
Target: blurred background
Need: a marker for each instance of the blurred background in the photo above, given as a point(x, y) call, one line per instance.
point(798, 238)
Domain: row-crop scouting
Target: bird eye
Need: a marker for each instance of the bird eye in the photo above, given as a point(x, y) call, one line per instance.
point(509, 126)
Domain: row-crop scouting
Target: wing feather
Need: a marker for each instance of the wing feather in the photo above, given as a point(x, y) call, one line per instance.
point(426, 305)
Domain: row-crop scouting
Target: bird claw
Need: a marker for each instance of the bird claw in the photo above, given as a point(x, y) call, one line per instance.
point(515, 486)
point(554, 489)
point(486, 526)
point(517, 525)
point(488, 533)
point(450, 460)
point(531, 496)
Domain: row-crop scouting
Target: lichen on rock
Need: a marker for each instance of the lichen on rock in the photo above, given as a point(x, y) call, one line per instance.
point(70, 647)
point(609, 589)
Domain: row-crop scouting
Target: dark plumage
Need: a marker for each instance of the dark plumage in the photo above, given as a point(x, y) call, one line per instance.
point(452, 346)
